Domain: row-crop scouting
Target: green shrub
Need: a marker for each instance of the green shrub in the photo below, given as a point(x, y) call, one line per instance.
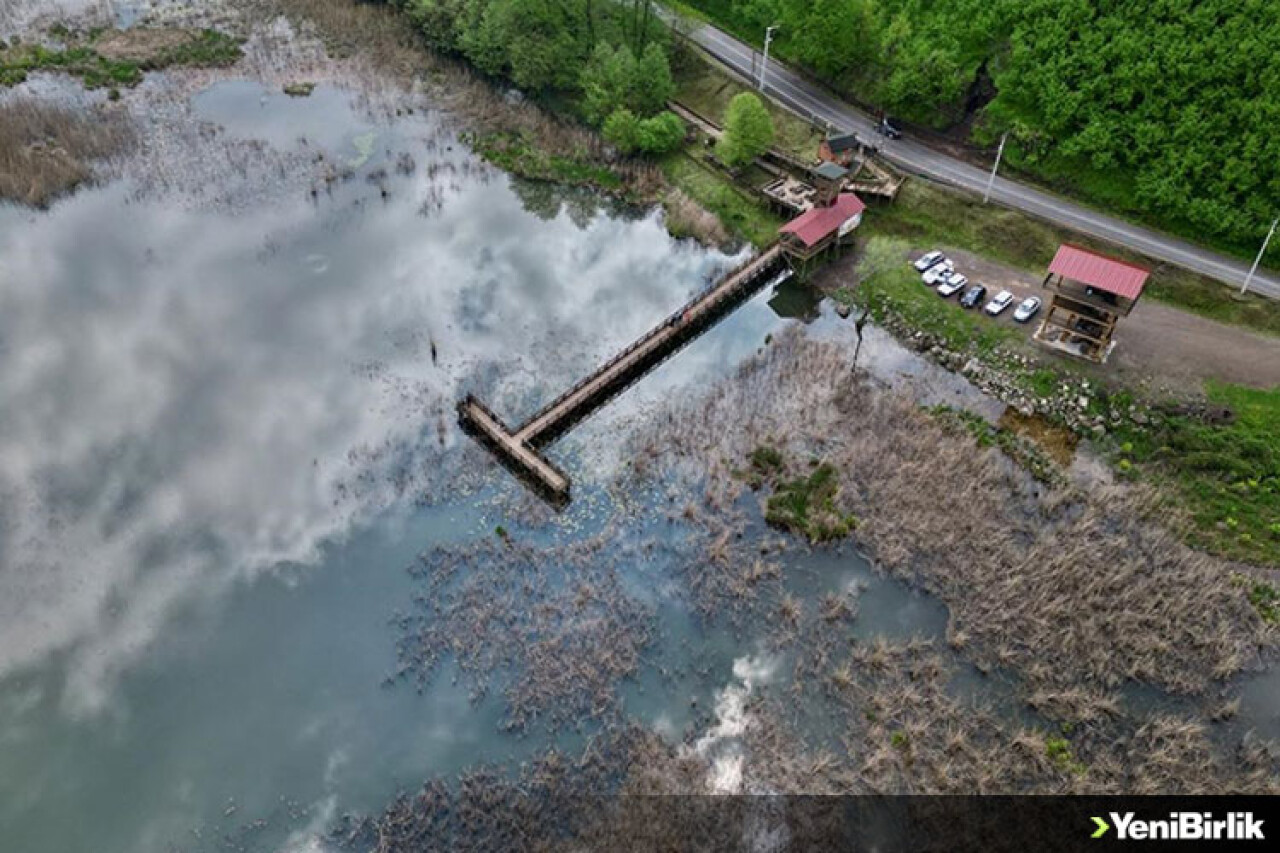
point(808, 506)
point(622, 130)
point(766, 459)
point(1058, 750)
point(660, 134)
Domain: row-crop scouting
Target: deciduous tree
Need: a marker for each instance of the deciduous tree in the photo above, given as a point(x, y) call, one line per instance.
point(748, 131)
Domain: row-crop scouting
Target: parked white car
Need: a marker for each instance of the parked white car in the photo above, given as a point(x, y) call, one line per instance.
point(938, 273)
point(999, 303)
point(926, 261)
point(1027, 309)
point(952, 284)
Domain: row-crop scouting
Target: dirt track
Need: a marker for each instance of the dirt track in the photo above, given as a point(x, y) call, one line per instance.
point(1166, 346)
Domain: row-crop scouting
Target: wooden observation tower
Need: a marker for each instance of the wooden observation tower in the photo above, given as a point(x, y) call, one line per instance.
point(1090, 293)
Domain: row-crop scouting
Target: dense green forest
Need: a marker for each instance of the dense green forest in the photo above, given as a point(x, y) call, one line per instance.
point(610, 56)
point(1169, 109)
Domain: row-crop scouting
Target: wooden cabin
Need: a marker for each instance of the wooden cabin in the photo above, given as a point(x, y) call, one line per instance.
point(1089, 293)
point(822, 228)
point(842, 149)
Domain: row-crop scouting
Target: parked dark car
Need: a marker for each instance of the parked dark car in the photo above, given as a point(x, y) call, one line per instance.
point(887, 128)
point(973, 296)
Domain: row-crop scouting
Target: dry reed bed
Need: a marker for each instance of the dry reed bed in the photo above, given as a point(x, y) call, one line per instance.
point(553, 628)
point(904, 733)
point(685, 217)
point(48, 149)
point(1074, 590)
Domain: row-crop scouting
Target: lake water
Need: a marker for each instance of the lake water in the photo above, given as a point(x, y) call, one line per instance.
point(225, 435)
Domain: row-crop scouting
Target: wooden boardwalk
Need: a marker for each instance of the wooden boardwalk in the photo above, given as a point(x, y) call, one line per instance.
point(519, 449)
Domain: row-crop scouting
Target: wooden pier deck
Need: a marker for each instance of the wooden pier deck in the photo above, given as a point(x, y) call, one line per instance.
point(519, 449)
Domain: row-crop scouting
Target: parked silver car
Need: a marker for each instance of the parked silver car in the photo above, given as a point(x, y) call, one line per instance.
point(997, 305)
point(1027, 309)
point(953, 284)
point(938, 273)
point(924, 262)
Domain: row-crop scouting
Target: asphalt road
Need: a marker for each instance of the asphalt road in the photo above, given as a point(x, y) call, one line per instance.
point(811, 102)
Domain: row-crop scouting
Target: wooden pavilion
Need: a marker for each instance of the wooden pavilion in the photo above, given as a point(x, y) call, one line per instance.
point(1089, 294)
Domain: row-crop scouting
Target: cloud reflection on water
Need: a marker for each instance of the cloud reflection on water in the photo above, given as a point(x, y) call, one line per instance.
point(191, 398)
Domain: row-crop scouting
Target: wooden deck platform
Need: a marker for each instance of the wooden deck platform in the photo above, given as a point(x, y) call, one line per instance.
point(519, 449)
point(869, 174)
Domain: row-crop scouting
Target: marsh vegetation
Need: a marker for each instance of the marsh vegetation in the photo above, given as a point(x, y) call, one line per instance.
point(103, 58)
point(49, 149)
point(1032, 573)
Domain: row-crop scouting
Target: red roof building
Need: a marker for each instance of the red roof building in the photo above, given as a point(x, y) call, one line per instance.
point(816, 226)
point(1099, 271)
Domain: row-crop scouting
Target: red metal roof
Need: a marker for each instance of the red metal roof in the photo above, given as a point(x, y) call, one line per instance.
point(816, 224)
point(1122, 279)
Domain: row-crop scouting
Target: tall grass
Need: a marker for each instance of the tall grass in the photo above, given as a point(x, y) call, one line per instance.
point(47, 149)
point(686, 218)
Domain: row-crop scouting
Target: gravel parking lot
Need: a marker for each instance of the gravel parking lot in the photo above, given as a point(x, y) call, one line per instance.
point(1156, 343)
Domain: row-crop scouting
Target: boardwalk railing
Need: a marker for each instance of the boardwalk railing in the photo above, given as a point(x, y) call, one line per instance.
point(519, 449)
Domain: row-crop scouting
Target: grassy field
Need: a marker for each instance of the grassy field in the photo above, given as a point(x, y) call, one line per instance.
point(927, 214)
point(743, 214)
point(707, 89)
point(892, 286)
point(1226, 475)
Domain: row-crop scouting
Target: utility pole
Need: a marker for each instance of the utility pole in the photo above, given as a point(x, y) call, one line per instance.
point(764, 65)
point(1253, 269)
point(986, 196)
